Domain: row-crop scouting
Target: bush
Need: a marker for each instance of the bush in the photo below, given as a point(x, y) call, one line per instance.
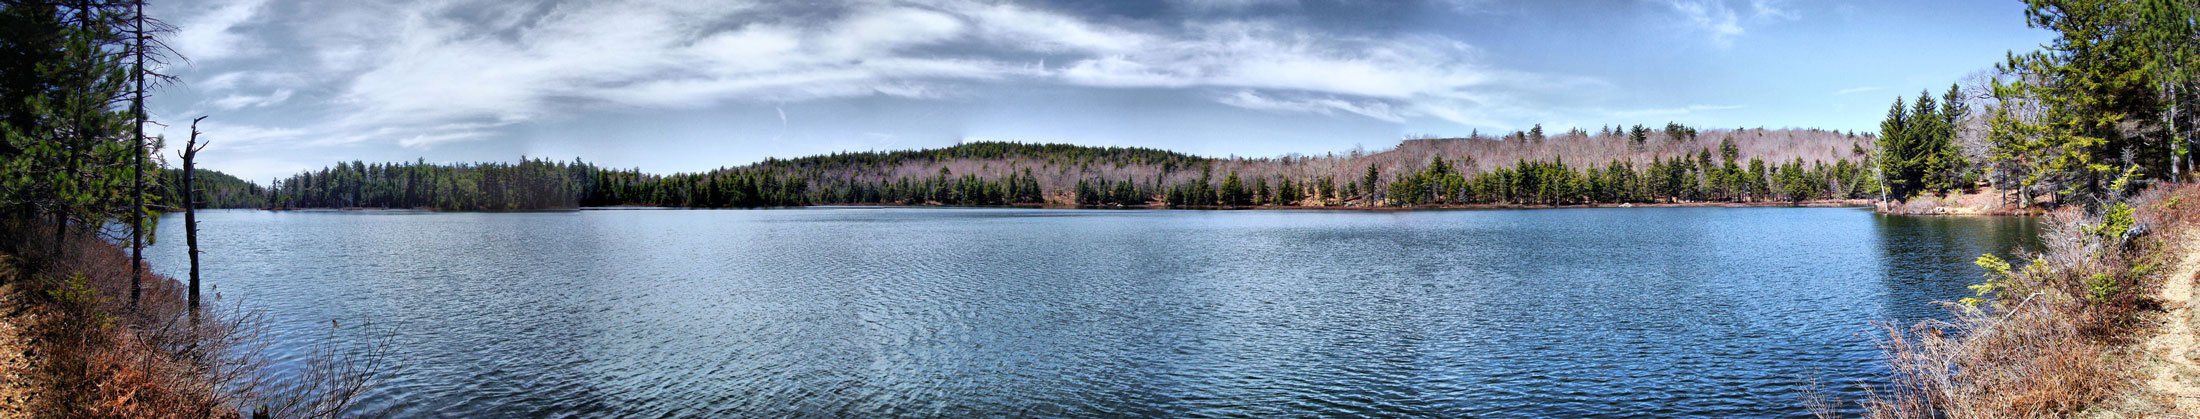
point(2048, 338)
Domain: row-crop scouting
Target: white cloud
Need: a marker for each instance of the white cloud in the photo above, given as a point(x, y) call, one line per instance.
point(1721, 22)
point(1229, 5)
point(236, 136)
point(233, 102)
point(1685, 110)
point(1011, 26)
point(1120, 71)
point(428, 140)
point(1712, 17)
point(1326, 105)
point(210, 36)
point(1860, 89)
point(1270, 56)
point(1772, 10)
point(1471, 6)
point(406, 73)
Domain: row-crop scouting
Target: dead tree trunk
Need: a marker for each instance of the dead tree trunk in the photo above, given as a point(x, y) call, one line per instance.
point(190, 194)
point(137, 159)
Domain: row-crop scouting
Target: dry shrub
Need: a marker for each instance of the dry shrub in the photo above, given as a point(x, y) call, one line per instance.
point(334, 377)
point(2056, 337)
point(2029, 362)
point(100, 357)
point(1817, 401)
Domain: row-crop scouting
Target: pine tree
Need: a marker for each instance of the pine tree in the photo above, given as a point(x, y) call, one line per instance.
point(1368, 182)
point(2113, 86)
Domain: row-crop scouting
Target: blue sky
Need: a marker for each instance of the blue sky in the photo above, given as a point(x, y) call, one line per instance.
point(679, 85)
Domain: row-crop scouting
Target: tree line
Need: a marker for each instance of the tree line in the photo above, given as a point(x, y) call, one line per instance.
point(214, 190)
point(1695, 178)
point(544, 184)
point(528, 184)
point(1021, 174)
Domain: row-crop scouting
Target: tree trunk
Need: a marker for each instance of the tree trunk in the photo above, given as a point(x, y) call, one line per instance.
point(137, 166)
point(191, 227)
point(191, 210)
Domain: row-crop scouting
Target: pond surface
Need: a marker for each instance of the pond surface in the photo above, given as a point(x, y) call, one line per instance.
point(837, 312)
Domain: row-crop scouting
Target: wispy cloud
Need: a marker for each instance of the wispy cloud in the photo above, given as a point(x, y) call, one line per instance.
point(1375, 109)
point(1678, 111)
point(1772, 10)
point(1229, 5)
point(1712, 17)
point(211, 34)
point(1859, 89)
point(424, 140)
point(235, 136)
point(236, 101)
point(1723, 23)
point(415, 71)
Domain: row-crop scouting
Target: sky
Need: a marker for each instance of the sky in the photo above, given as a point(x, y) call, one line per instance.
point(688, 85)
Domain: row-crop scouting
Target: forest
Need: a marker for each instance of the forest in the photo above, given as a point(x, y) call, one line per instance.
point(215, 190)
point(1678, 164)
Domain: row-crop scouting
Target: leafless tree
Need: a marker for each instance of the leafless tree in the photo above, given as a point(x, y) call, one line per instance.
point(190, 192)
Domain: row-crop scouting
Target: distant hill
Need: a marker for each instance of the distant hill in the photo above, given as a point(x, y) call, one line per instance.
point(1636, 164)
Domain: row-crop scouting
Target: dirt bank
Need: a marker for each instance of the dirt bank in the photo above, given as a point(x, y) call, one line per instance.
point(1980, 201)
point(2172, 348)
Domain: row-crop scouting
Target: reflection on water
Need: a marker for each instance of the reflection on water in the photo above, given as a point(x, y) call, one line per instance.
point(1936, 257)
point(955, 312)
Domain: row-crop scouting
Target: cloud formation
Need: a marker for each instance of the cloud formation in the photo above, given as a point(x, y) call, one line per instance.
point(1858, 89)
point(212, 34)
point(428, 73)
point(1722, 23)
point(729, 82)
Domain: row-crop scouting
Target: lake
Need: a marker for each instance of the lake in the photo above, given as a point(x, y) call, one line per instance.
point(834, 312)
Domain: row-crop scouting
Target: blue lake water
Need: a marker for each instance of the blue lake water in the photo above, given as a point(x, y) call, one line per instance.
point(835, 312)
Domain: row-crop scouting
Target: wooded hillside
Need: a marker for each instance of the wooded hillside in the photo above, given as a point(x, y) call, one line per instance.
point(1633, 164)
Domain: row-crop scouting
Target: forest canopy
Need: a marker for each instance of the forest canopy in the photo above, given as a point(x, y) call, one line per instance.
point(1676, 164)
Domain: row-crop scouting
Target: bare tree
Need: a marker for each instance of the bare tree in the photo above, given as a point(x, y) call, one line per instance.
point(190, 192)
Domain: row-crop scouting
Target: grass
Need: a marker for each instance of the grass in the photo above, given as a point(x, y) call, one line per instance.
point(2055, 336)
point(92, 355)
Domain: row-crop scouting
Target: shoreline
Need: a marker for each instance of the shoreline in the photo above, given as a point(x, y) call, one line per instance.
point(2098, 322)
point(1876, 206)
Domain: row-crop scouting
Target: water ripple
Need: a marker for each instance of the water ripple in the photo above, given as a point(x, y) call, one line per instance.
point(1050, 313)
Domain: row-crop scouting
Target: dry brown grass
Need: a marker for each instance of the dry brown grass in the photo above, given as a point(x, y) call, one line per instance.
point(2058, 340)
point(96, 356)
point(2031, 362)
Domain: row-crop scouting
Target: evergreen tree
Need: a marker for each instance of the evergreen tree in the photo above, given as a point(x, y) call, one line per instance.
point(1917, 150)
point(2115, 88)
point(1233, 191)
point(1368, 181)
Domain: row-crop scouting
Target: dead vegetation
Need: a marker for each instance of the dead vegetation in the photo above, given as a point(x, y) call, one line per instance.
point(86, 354)
point(2052, 334)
